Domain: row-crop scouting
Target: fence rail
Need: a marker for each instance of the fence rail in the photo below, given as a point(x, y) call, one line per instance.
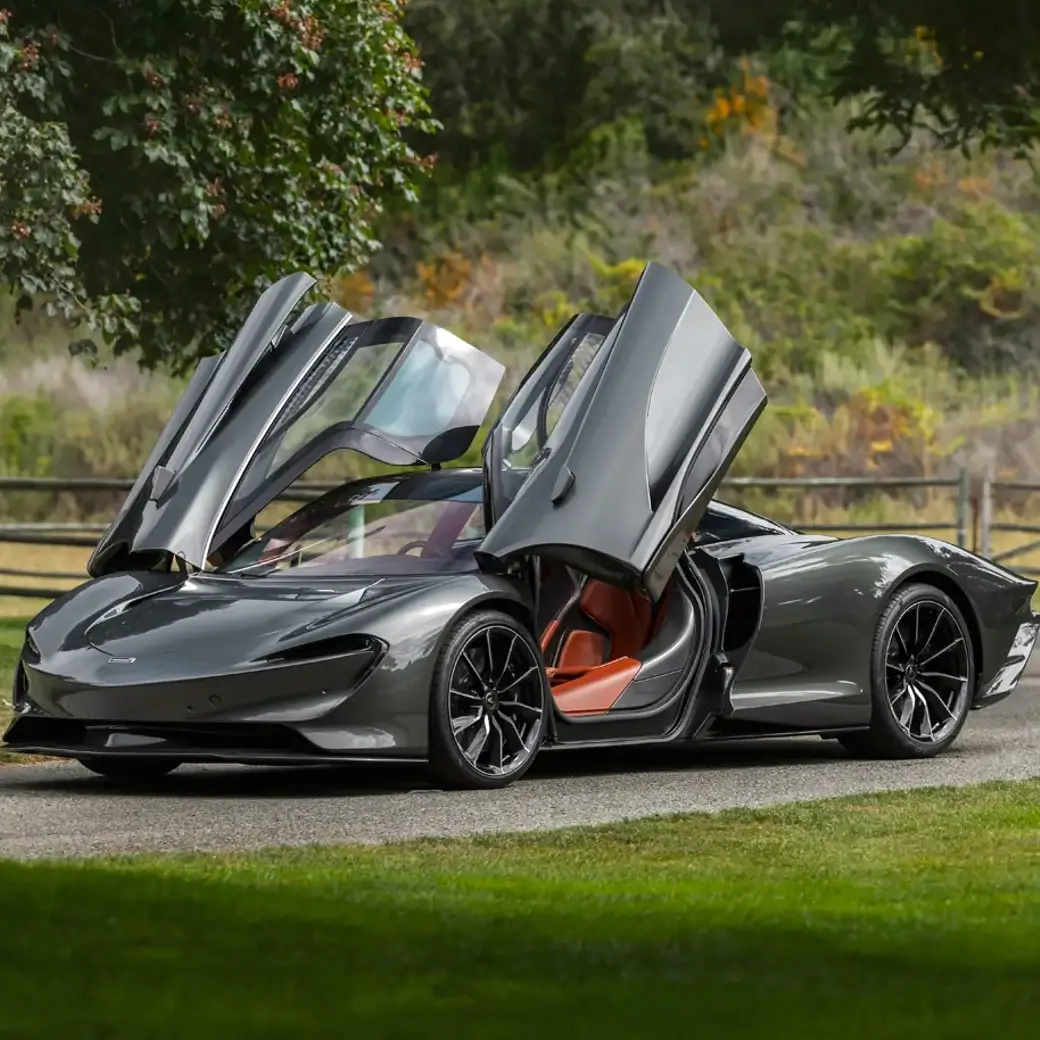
point(992, 490)
point(971, 520)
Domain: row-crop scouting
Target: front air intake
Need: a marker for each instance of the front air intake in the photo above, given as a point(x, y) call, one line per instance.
point(331, 646)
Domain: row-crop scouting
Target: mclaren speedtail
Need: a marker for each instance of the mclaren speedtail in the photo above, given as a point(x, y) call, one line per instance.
point(582, 589)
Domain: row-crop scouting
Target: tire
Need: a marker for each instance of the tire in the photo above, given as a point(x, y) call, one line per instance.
point(487, 654)
point(914, 687)
point(130, 768)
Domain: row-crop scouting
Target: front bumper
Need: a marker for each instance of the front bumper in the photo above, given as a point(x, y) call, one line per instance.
point(1010, 672)
point(310, 712)
point(242, 743)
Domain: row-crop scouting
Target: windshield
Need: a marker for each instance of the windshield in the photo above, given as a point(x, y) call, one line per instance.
point(388, 527)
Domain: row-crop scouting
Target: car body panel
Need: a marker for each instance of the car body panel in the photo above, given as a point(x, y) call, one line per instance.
point(1003, 683)
point(646, 435)
point(251, 423)
point(606, 458)
point(182, 519)
point(204, 402)
point(275, 674)
point(822, 599)
point(263, 652)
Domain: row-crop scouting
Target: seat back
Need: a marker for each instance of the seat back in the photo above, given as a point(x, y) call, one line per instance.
point(626, 617)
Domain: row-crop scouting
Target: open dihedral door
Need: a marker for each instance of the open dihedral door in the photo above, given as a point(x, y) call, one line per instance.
point(286, 393)
point(623, 431)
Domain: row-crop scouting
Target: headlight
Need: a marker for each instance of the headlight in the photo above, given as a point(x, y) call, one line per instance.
point(30, 651)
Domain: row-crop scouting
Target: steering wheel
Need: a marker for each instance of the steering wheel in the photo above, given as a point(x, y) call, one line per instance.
point(428, 547)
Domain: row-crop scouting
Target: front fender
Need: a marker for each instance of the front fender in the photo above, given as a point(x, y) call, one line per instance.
point(391, 710)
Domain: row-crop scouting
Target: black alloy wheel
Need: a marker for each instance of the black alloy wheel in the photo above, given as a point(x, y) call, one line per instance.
point(923, 673)
point(490, 705)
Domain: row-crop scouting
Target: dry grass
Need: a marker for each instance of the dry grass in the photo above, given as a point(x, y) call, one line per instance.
point(37, 558)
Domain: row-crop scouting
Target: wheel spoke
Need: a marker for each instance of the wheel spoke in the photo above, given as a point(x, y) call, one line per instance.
point(520, 678)
point(527, 709)
point(943, 675)
point(935, 628)
point(944, 650)
point(907, 711)
point(463, 723)
point(917, 624)
point(509, 729)
point(477, 743)
point(927, 729)
point(464, 694)
point(895, 667)
point(509, 658)
point(936, 700)
point(902, 641)
point(490, 665)
point(498, 745)
point(473, 668)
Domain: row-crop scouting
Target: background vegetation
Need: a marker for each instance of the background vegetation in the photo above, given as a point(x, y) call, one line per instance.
point(888, 285)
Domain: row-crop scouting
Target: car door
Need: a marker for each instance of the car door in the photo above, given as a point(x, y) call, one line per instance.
point(519, 435)
point(642, 424)
point(288, 392)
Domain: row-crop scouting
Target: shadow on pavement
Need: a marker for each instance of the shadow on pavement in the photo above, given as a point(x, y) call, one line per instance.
point(340, 781)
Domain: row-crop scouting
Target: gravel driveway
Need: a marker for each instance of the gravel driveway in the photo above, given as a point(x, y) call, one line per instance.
point(61, 810)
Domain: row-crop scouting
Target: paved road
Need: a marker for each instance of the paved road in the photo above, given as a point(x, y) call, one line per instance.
point(61, 810)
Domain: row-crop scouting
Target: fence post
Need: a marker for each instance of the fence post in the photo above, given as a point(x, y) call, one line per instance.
point(963, 507)
point(986, 523)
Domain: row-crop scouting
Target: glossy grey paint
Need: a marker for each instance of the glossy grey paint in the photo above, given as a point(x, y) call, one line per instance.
point(626, 474)
point(134, 650)
point(184, 503)
point(201, 407)
point(822, 598)
point(151, 649)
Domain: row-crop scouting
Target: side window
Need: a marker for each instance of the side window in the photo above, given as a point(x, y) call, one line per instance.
point(331, 397)
point(424, 394)
point(538, 424)
point(562, 390)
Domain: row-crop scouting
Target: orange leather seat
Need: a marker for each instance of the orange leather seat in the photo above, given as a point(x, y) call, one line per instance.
point(626, 618)
point(593, 669)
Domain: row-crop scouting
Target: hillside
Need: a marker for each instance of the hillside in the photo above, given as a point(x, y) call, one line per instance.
point(892, 302)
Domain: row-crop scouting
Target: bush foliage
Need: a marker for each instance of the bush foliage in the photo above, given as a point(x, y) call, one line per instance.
point(179, 154)
point(891, 297)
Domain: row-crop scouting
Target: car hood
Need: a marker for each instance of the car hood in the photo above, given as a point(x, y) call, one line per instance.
point(212, 620)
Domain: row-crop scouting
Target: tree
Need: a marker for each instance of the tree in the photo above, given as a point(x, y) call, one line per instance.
point(525, 82)
point(162, 160)
point(969, 70)
point(43, 190)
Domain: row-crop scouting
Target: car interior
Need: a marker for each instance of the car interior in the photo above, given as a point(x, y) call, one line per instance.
point(595, 636)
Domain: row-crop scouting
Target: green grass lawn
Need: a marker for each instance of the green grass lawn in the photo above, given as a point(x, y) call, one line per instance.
point(904, 915)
